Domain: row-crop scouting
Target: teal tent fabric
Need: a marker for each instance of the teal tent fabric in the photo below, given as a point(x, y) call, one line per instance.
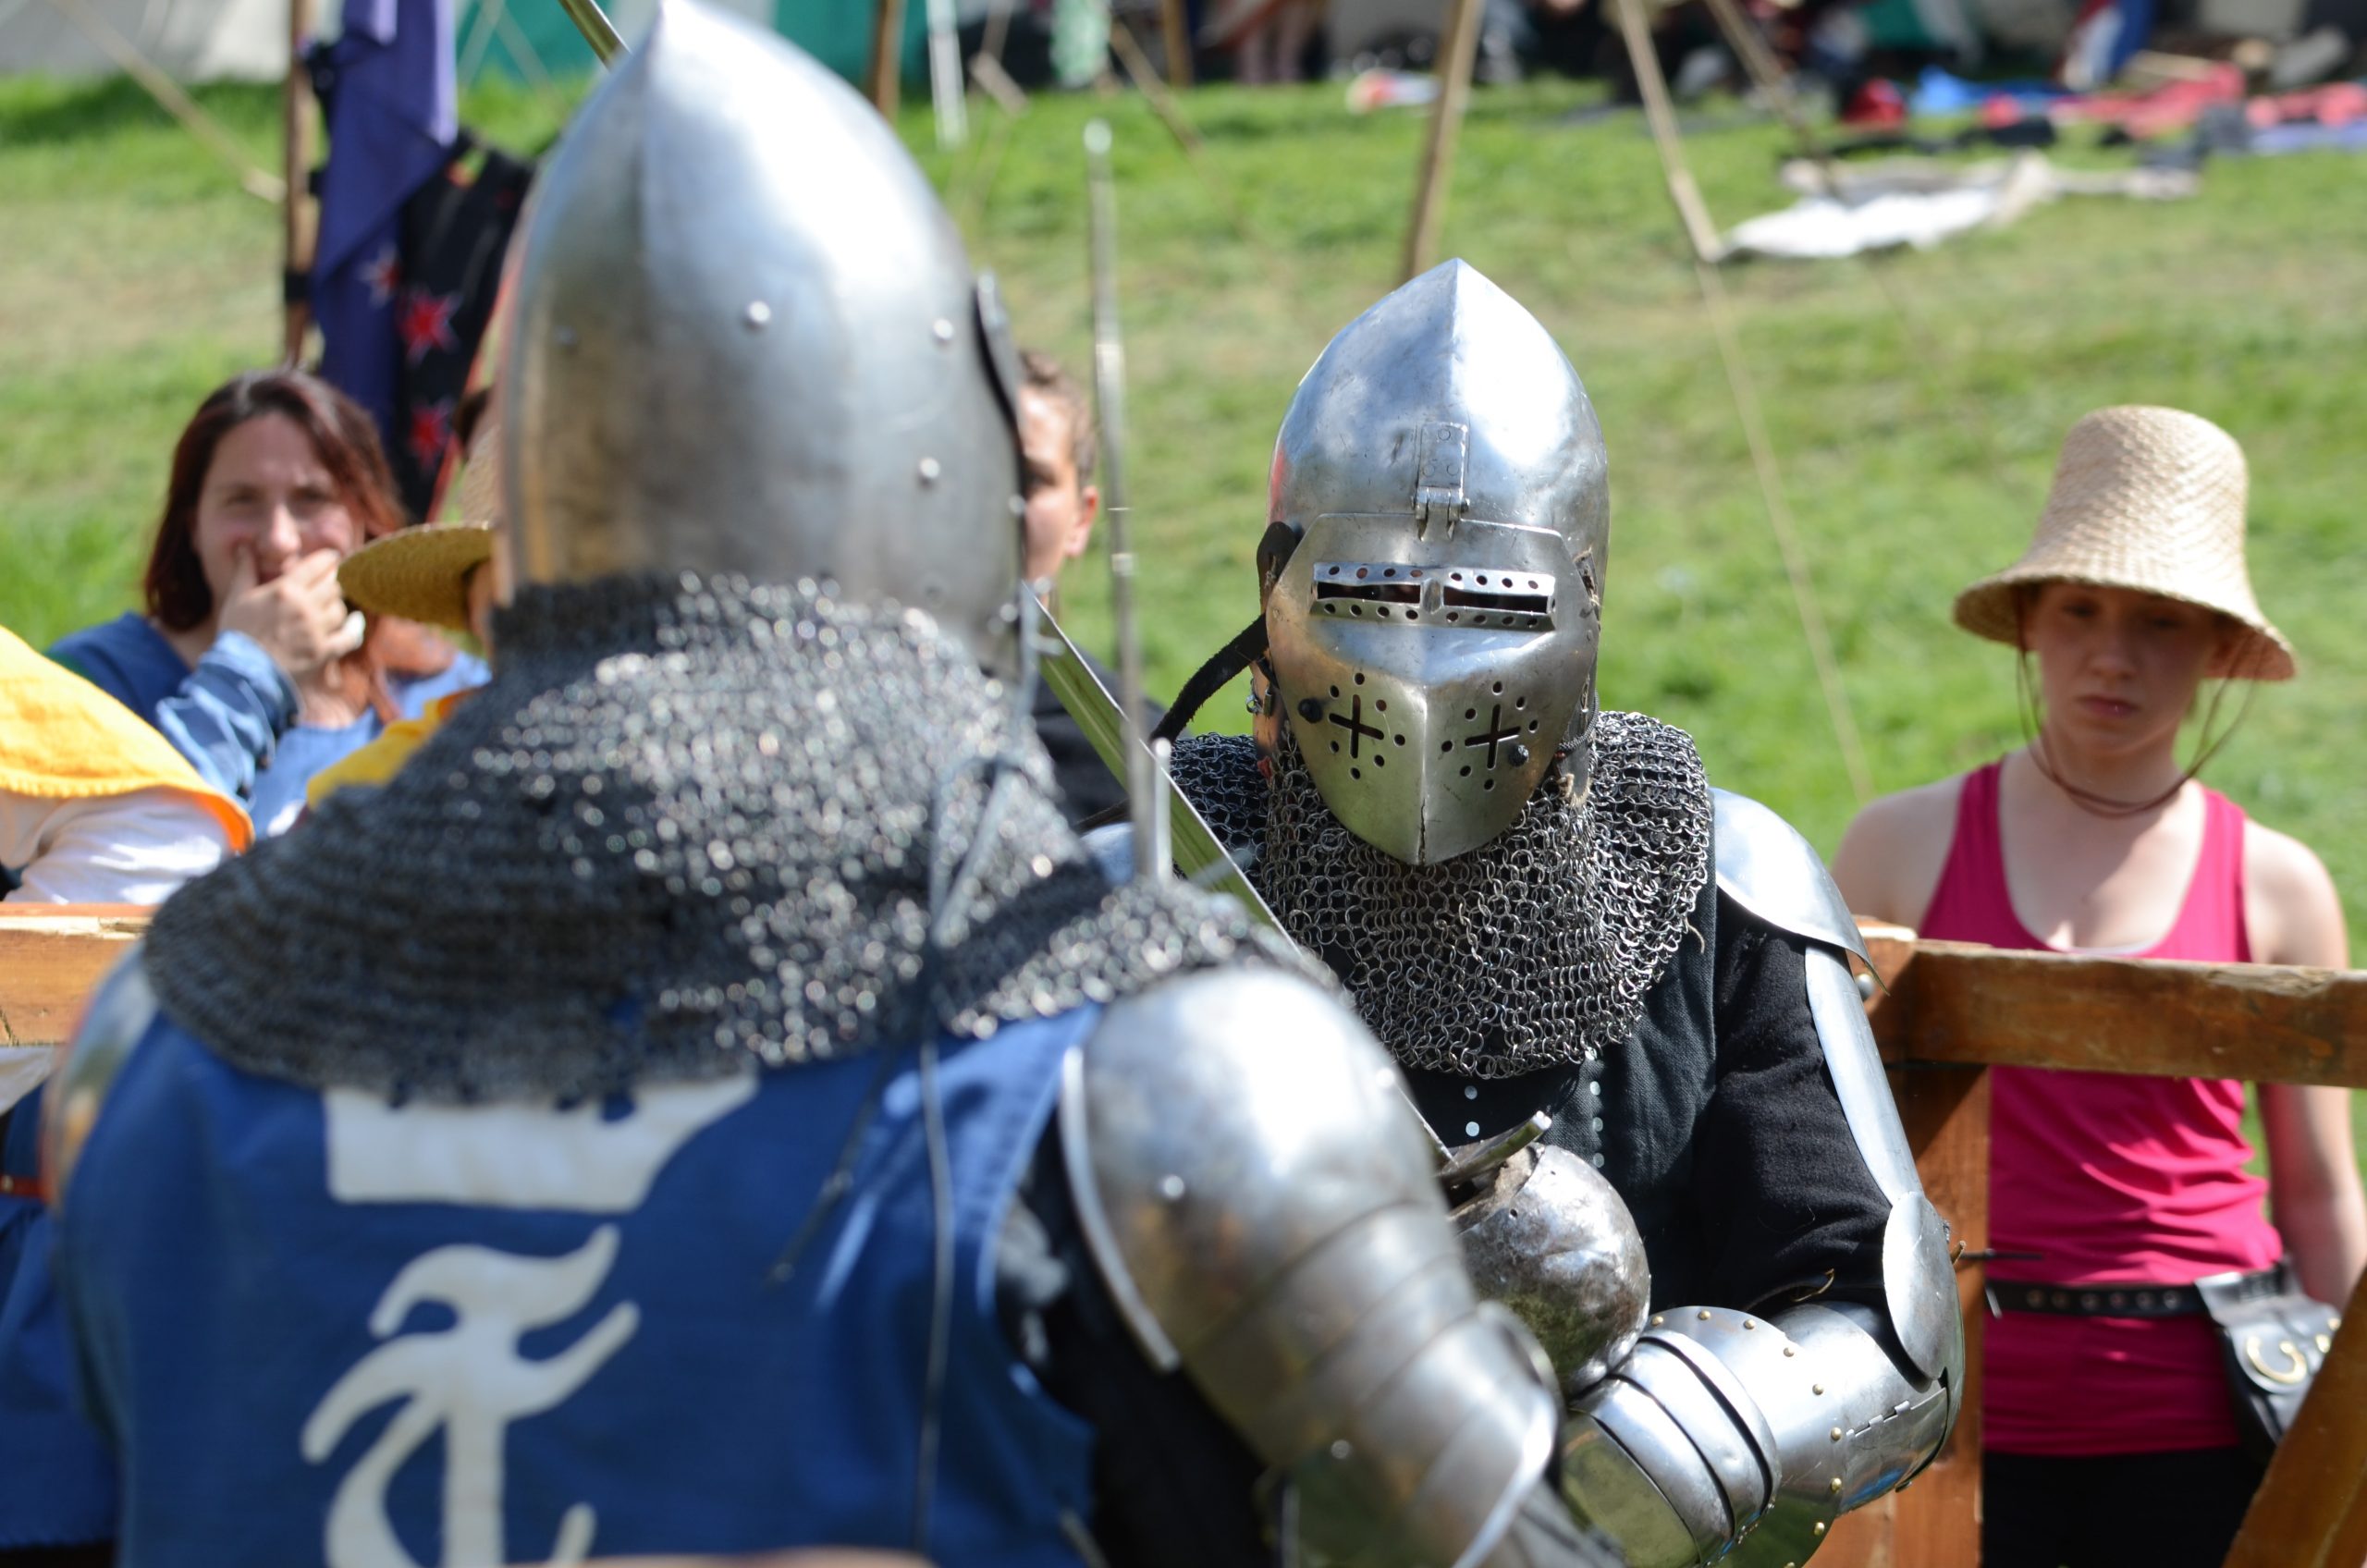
point(837, 32)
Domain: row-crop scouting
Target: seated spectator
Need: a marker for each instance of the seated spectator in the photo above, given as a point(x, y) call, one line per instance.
point(1056, 441)
point(442, 575)
point(94, 807)
point(2110, 1190)
point(247, 658)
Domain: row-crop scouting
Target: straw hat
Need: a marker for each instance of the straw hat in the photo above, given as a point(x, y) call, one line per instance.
point(423, 574)
point(2149, 499)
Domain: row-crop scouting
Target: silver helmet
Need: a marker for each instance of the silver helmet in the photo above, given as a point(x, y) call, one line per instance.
point(746, 340)
point(1439, 519)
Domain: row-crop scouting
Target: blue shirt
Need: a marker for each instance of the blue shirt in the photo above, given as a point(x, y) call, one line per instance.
point(234, 716)
point(301, 1316)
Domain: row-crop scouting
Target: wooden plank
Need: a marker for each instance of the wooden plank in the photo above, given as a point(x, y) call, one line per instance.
point(1176, 36)
point(51, 957)
point(887, 56)
point(1661, 114)
point(2311, 1511)
point(1934, 1522)
point(2260, 1022)
point(1459, 52)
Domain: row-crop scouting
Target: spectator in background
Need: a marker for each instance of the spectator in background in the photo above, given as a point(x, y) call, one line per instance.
point(1055, 440)
point(2093, 838)
point(442, 575)
point(247, 658)
point(94, 807)
point(1271, 49)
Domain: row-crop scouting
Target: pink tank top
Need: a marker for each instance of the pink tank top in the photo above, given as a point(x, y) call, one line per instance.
point(2109, 1178)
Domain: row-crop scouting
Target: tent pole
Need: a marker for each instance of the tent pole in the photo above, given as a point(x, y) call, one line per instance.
point(1699, 232)
point(1460, 51)
point(299, 228)
point(887, 54)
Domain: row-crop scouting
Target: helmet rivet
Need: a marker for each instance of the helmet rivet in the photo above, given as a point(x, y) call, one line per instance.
point(1310, 708)
point(929, 471)
point(942, 330)
point(757, 316)
point(1518, 753)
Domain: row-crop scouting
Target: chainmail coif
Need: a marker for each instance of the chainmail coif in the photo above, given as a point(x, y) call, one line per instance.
point(1533, 950)
point(689, 823)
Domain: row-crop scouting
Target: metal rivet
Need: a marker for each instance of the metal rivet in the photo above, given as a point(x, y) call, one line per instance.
point(2324, 1345)
point(1836, 1434)
point(1597, 1162)
point(1597, 1086)
point(1791, 1350)
point(1816, 1388)
point(1471, 1091)
point(1748, 1324)
point(757, 316)
point(1170, 1187)
point(1342, 1449)
point(1518, 753)
point(1658, 1320)
point(1705, 1315)
point(1310, 708)
point(1820, 1527)
point(942, 330)
point(929, 471)
point(1835, 1486)
point(1471, 1129)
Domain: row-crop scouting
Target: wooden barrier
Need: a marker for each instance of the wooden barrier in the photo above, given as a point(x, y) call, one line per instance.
point(1946, 1012)
point(51, 956)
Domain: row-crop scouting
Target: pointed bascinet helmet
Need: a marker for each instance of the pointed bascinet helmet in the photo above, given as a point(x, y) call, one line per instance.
point(746, 341)
point(1439, 520)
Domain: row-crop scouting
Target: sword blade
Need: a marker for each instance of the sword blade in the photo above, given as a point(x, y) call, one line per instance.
point(1197, 853)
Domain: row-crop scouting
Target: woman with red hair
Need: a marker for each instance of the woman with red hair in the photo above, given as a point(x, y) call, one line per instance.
point(247, 658)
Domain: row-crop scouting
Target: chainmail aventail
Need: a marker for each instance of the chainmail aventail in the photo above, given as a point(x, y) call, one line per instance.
point(1533, 950)
point(689, 822)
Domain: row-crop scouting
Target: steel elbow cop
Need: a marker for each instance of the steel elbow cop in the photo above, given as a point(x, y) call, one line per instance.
point(1739, 1437)
point(1269, 1222)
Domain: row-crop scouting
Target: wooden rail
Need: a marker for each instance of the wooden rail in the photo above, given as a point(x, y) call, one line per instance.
point(1949, 1012)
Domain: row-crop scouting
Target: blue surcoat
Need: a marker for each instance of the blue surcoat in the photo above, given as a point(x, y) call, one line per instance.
point(325, 1327)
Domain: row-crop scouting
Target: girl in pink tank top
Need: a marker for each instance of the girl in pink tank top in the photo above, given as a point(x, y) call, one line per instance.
point(2109, 1178)
point(2131, 595)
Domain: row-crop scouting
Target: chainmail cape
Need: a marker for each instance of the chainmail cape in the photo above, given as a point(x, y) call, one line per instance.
point(689, 823)
point(1534, 950)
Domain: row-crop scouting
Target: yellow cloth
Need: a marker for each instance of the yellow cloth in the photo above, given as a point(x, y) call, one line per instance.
point(384, 757)
point(62, 738)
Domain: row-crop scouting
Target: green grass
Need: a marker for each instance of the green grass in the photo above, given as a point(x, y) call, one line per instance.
point(1915, 402)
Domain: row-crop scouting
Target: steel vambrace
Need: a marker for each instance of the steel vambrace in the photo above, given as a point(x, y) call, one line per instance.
point(1262, 1206)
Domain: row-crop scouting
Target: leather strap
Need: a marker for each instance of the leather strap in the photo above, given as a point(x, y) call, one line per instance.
point(2118, 1300)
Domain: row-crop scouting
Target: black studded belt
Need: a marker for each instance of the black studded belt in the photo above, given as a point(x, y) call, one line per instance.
point(2120, 1300)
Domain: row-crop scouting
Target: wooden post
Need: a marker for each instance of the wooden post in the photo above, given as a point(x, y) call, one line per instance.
point(1461, 49)
point(299, 221)
point(887, 56)
point(1176, 32)
point(1934, 1521)
point(2311, 1511)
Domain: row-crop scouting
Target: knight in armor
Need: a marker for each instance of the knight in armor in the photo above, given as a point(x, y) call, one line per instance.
point(708, 1100)
point(1542, 907)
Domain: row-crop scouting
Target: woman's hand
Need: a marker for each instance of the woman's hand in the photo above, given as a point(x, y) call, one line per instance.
point(297, 617)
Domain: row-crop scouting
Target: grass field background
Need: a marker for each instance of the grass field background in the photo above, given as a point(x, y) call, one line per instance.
point(1916, 402)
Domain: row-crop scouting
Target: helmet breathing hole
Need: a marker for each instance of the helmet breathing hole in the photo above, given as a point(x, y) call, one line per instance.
point(1354, 772)
point(1467, 770)
point(1381, 705)
point(1335, 745)
point(1446, 748)
point(1379, 761)
point(1497, 687)
point(1487, 784)
point(1335, 691)
point(1468, 712)
point(1401, 740)
point(1520, 702)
